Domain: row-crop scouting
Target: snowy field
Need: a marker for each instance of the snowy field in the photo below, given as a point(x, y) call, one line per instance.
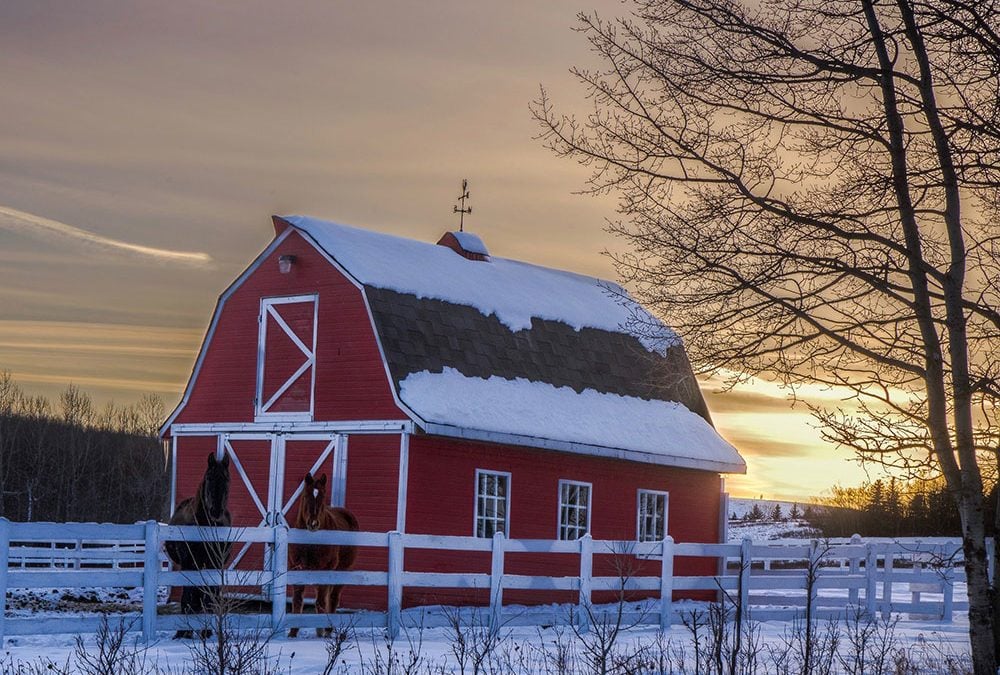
point(931, 646)
point(776, 646)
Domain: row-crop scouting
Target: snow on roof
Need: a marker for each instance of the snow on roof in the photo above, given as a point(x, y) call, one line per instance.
point(514, 291)
point(660, 432)
point(470, 242)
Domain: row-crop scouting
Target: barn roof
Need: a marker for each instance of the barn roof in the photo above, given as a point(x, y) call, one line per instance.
point(513, 352)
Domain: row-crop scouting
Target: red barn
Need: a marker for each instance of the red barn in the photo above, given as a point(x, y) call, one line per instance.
point(446, 391)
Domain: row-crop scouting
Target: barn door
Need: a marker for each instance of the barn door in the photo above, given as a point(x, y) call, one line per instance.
point(286, 358)
point(253, 460)
point(319, 454)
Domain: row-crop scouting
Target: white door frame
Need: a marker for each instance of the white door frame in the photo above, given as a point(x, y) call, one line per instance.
point(262, 407)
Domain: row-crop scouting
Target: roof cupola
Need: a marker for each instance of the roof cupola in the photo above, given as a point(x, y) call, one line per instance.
point(466, 245)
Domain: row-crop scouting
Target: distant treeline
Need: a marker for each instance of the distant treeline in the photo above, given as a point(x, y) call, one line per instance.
point(68, 461)
point(894, 508)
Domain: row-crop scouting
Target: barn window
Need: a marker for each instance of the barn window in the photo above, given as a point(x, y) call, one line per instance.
point(492, 502)
point(652, 515)
point(574, 509)
point(286, 358)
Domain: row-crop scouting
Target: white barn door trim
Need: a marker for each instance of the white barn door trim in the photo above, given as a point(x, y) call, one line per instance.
point(267, 310)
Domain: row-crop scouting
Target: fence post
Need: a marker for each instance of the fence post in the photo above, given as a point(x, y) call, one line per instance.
point(150, 570)
point(667, 583)
point(586, 581)
point(395, 584)
point(887, 585)
point(279, 578)
point(4, 560)
point(496, 581)
point(947, 607)
point(855, 567)
point(745, 563)
point(871, 579)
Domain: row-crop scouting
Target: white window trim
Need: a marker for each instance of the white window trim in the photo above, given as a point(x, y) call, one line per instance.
point(475, 497)
point(260, 414)
point(590, 496)
point(638, 512)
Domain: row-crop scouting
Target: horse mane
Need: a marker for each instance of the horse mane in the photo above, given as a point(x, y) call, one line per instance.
point(198, 501)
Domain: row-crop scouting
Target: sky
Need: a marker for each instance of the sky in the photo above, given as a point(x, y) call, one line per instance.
point(145, 145)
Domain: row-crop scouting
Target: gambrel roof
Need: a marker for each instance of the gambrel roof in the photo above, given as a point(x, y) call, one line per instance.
point(511, 352)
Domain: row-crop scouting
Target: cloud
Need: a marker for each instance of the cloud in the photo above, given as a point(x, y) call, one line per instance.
point(21, 221)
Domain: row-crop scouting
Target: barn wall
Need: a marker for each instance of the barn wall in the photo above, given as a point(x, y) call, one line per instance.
point(372, 484)
point(440, 500)
point(351, 381)
point(441, 496)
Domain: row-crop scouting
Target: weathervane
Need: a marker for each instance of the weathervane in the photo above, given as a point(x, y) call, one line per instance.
point(465, 209)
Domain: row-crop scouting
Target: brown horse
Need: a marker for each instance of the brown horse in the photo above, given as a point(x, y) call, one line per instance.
point(314, 515)
point(207, 508)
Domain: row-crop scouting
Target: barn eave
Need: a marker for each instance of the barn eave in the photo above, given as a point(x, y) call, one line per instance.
point(467, 433)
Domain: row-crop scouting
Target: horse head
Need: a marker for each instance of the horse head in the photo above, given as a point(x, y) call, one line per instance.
point(215, 487)
point(313, 502)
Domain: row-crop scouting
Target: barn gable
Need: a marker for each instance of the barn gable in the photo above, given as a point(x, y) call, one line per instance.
point(344, 372)
point(525, 338)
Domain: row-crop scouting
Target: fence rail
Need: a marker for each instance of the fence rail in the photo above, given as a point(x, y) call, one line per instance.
point(771, 580)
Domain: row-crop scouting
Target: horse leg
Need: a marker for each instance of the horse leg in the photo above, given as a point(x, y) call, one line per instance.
point(296, 607)
point(333, 601)
point(187, 600)
point(322, 606)
point(211, 593)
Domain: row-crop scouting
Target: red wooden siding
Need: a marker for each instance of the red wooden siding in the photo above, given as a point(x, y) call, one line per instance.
point(351, 382)
point(372, 488)
point(441, 500)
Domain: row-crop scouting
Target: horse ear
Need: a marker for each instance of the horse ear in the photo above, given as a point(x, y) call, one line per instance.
point(322, 480)
point(309, 478)
point(225, 461)
point(211, 458)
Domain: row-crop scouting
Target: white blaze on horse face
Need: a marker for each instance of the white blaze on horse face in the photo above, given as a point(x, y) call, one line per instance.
point(315, 492)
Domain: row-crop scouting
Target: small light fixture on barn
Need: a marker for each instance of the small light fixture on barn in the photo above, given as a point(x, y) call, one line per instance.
point(285, 263)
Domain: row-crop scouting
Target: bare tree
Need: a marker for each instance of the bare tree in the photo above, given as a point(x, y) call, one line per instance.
point(809, 191)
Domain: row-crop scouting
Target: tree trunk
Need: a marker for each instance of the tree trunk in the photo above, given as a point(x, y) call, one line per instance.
point(981, 625)
point(994, 595)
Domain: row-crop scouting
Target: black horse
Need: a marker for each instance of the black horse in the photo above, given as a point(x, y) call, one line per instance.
point(206, 509)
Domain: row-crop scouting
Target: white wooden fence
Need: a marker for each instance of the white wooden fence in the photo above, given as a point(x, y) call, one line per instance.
point(770, 579)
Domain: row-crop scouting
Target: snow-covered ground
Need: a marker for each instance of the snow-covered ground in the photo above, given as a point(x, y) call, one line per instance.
point(521, 649)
